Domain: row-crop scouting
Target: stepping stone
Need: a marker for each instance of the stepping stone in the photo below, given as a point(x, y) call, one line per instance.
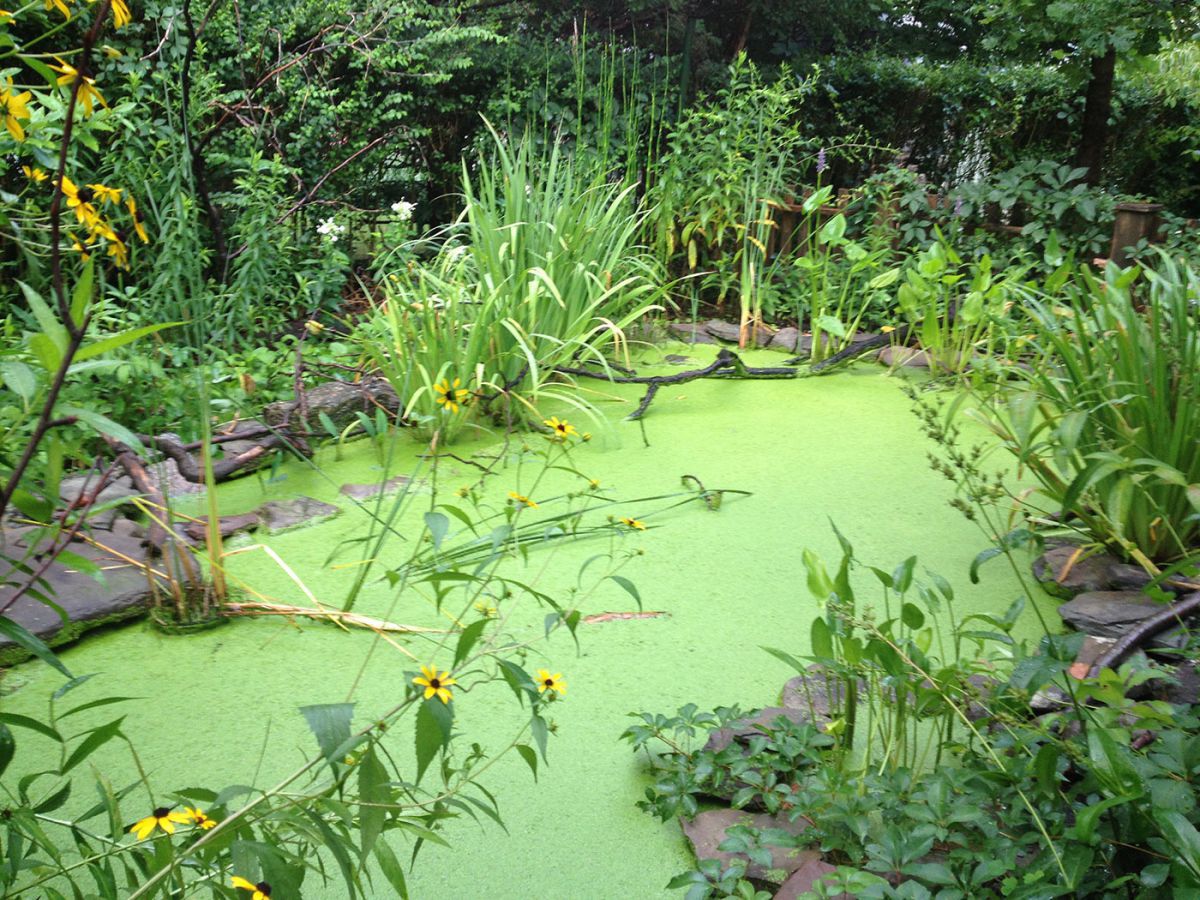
point(371, 489)
point(785, 339)
point(1090, 651)
point(339, 400)
point(243, 426)
point(675, 359)
point(1060, 577)
point(228, 525)
point(708, 829)
point(904, 356)
point(805, 879)
point(1108, 613)
point(281, 515)
point(811, 694)
point(690, 332)
point(732, 332)
point(124, 593)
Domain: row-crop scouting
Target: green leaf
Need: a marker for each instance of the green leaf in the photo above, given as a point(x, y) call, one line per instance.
point(23, 638)
point(8, 746)
point(629, 587)
point(104, 425)
point(1112, 765)
point(434, 720)
point(391, 868)
point(82, 293)
point(109, 344)
point(19, 379)
point(374, 794)
point(1181, 835)
point(527, 753)
point(32, 724)
point(95, 739)
point(330, 724)
point(467, 640)
point(822, 639)
point(832, 231)
point(438, 526)
point(46, 319)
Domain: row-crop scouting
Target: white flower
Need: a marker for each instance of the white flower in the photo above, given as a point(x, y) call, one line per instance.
point(456, 253)
point(403, 209)
point(330, 229)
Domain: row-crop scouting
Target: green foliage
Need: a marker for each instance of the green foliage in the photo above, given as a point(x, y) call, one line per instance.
point(1105, 419)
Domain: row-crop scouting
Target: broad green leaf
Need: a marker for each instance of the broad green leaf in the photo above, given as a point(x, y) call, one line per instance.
point(629, 587)
point(391, 868)
point(8, 747)
point(330, 724)
point(467, 640)
point(19, 379)
point(527, 753)
point(438, 526)
point(104, 425)
point(374, 794)
point(95, 739)
point(434, 721)
point(20, 636)
point(119, 340)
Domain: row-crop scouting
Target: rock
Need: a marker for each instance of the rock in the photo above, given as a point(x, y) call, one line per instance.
point(743, 729)
point(1090, 651)
point(1125, 577)
point(370, 489)
point(169, 480)
point(690, 332)
point(708, 829)
point(904, 356)
point(675, 359)
point(1185, 687)
point(814, 694)
point(1065, 571)
point(113, 496)
point(339, 400)
point(1049, 699)
point(786, 339)
point(805, 879)
point(1108, 613)
point(242, 426)
point(732, 332)
point(280, 515)
point(87, 603)
point(228, 525)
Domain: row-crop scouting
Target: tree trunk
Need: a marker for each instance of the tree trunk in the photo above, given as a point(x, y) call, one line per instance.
point(1093, 136)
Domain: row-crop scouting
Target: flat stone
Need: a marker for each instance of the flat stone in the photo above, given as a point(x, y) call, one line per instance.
point(115, 496)
point(1090, 651)
point(242, 426)
point(1108, 613)
point(87, 603)
point(165, 476)
point(228, 525)
point(805, 879)
point(708, 829)
point(690, 332)
point(371, 489)
point(1185, 687)
point(676, 359)
point(280, 515)
point(1126, 577)
point(904, 356)
point(1065, 572)
point(811, 694)
point(785, 339)
point(744, 729)
point(732, 332)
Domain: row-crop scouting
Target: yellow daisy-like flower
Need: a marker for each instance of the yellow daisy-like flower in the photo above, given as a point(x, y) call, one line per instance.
point(33, 173)
point(62, 7)
point(80, 199)
point(312, 326)
point(594, 484)
point(522, 499)
point(262, 890)
point(111, 52)
point(6, 18)
point(888, 329)
point(106, 194)
point(14, 108)
point(633, 523)
point(119, 252)
point(121, 16)
point(553, 683)
point(561, 427)
point(138, 218)
point(450, 395)
point(88, 94)
point(435, 685)
point(81, 249)
point(200, 817)
point(161, 818)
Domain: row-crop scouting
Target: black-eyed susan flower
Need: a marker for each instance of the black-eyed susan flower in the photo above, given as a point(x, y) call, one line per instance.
point(138, 218)
point(119, 252)
point(34, 174)
point(6, 18)
point(561, 427)
point(161, 818)
point(105, 194)
point(200, 817)
point(261, 891)
point(313, 327)
point(89, 95)
point(80, 199)
point(13, 108)
point(450, 395)
point(435, 685)
point(121, 16)
point(552, 683)
point(635, 524)
point(62, 7)
point(82, 249)
point(522, 500)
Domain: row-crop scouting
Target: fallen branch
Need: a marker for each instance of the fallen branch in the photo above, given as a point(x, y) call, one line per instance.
point(726, 365)
point(338, 617)
point(1171, 615)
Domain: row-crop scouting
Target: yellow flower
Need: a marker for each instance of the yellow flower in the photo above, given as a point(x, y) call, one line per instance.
point(312, 326)
point(888, 329)
point(81, 249)
point(561, 427)
point(80, 199)
point(161, 818)
point(594, 484)
point(121, 16)
point(62, 7)
point(13, 108)
point(111, 52)
point(138, 218)
point(451, 395)
point(34, 173)
point(552, 683)
point(119, 252)
point(522, 499)
point(6, 18)
point(435, 685)
point(88, 94)
point(487, 610)
point(200, 817)
point(262, 890)
point(106, 194)
point(464, 492)
point(634, 524)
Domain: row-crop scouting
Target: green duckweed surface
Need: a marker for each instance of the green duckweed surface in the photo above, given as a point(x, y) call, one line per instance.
point(219, 707)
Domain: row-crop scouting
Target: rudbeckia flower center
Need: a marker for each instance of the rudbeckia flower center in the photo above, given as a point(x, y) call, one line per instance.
point(263, 888)
point(161, 813)
point(85, 194)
